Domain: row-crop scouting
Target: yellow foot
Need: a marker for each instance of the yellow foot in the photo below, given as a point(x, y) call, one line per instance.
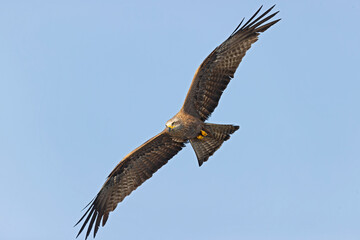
point(202, 135)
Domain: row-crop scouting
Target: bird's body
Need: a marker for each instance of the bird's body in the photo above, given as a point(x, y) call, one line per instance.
point(188, 125)
point(184, 126)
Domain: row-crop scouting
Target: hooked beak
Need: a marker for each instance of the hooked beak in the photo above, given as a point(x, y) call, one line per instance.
point(170, 127)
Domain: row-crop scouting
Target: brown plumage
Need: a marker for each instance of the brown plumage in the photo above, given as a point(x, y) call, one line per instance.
point(215, 73)
point(131, 172)
point(210, 80)
point(205, 149)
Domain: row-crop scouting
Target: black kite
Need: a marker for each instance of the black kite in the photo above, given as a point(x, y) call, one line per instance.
point(188, 125)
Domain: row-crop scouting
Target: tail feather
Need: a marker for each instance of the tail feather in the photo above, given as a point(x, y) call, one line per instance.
point(217, 134)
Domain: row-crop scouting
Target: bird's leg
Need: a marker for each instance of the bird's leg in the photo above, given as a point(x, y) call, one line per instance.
point(202, 134)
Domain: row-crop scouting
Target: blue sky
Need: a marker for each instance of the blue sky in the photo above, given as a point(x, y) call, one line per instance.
point(82, 83)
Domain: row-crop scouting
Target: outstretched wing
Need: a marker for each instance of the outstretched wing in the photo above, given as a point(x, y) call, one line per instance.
point(131, 172)
point(215, 73)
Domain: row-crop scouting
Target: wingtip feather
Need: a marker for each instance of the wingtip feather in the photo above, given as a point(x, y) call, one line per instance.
point(255, 24)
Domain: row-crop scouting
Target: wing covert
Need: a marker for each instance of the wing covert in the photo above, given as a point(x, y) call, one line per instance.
point(131, 172)
point(216, 71)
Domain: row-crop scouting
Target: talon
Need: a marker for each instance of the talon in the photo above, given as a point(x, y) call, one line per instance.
point(202, 134)
point(200, 137)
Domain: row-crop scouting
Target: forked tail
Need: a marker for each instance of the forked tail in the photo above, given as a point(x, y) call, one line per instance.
point(210, 140)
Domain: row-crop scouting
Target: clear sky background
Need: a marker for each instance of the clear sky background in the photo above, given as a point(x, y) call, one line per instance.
point(82, 83)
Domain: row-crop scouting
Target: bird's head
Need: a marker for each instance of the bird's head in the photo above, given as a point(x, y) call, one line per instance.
point(173, 124)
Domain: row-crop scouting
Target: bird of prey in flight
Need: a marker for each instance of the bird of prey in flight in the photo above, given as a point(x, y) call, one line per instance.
point(188, 125)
